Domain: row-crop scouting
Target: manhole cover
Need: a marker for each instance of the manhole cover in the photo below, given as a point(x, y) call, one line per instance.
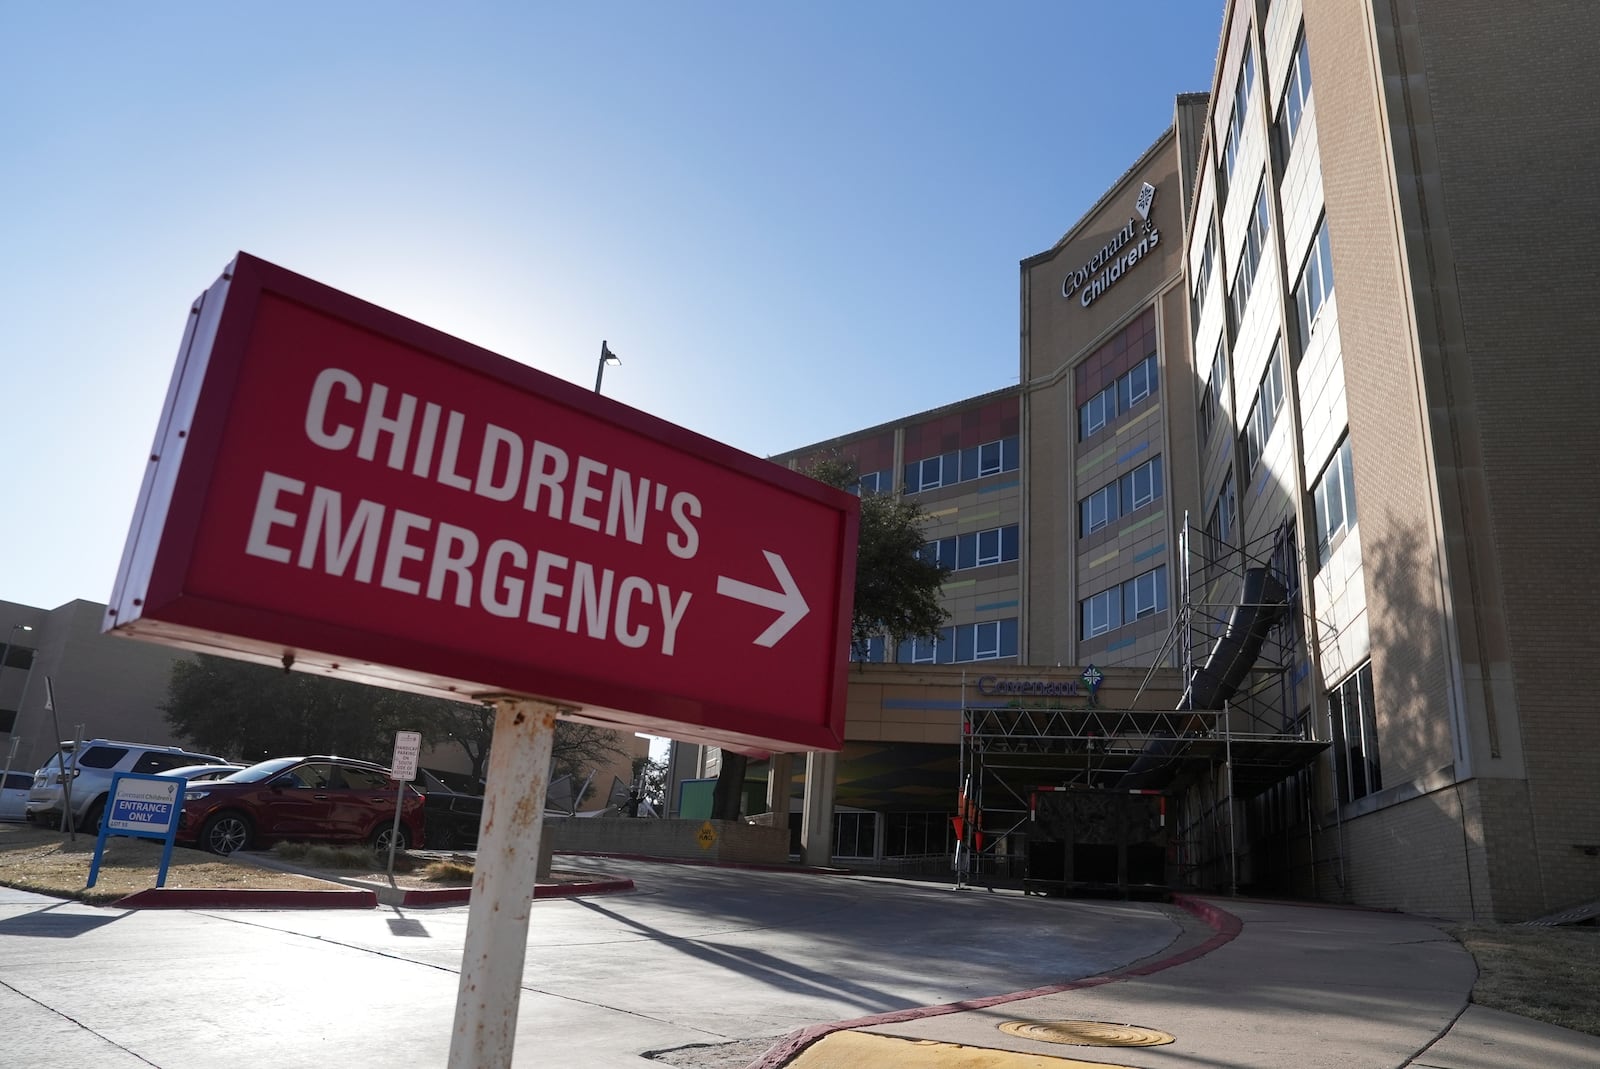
point(1086, 1033)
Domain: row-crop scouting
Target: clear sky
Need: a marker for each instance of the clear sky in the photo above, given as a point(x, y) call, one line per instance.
point(791, 221)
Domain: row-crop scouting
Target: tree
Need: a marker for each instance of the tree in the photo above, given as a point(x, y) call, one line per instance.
point(896, 592)
point(252, 711)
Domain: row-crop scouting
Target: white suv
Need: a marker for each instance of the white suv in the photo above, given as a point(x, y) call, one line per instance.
point(91, 769)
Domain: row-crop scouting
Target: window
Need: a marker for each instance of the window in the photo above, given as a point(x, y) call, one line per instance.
point(987, 640)
point(1241, 105)
point(947, 469)
point(1143, 595)
point(1132, 387)
point(1102, 612)
point(1142, 485)
point(1250, 254)
point(974, 550)
point(916, 834)
point(1137, 384)
point(874, 482)
point(1296, 95)
point(102, 757)
point(855, 834)
point(1355, 736)
point(1097, 510)
point(1315, 284)
point(989, 458)
point(364, 779)
point(157, 761)
point(875, 651)
point(1202, 275)
point(1223, 512)
point(1211, 398)
point(1335, 500)
point(1264, 414)
point(1132, 491)
point(1097, 412)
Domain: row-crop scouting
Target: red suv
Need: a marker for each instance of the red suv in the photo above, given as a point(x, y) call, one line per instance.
point(304, 799)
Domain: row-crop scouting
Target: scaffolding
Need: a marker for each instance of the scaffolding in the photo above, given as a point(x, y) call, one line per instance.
point(1207, 765)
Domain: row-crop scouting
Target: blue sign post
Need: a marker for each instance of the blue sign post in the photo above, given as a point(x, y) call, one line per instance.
point(141, 807)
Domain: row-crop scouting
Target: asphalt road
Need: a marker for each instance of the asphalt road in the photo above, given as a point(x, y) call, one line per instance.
point(695, 956)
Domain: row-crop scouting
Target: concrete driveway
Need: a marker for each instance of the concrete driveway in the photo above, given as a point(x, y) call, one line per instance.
point(693, 959)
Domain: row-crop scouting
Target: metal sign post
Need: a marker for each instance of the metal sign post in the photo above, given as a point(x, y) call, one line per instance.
point(403, 767)
point(503, 883)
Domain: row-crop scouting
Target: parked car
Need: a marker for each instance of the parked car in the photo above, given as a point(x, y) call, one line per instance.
point(91, 769)
point(203, 773)
point(451, 815)
point(304, 799)
point(14, 796)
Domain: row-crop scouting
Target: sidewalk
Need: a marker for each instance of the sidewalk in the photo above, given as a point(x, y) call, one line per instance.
point(1275, 985)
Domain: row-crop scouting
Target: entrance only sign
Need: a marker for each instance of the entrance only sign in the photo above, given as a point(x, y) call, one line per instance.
point(341, 489)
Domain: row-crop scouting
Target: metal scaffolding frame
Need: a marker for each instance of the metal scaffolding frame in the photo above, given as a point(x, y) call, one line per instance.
point(1208, 760)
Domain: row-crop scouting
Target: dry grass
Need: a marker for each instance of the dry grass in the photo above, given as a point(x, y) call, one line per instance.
point(1548, 974)
point(48, 862)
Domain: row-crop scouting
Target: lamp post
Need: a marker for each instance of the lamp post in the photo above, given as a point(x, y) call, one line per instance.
point(5, 653)
point(606, 357)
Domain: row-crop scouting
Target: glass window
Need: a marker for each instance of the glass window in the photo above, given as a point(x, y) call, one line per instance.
point(1335, 502)
point(1241, 106)
point(1098, 509)
point(1146, 595)
point(1102, 612)
point(1296, 96)
point(156, 761)
point(1311, 292)
point(989, 459)
point(988, 546)
point(1202, 275)
point(855, 834)
point(1353, 717)
point(1097, 412)
point(1264, 414)
point(1142, 485)
point(1211, 397)
point(102, 757)
point(364, 779)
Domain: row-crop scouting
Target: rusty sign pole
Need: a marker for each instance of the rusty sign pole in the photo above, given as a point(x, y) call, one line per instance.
point(503, 884)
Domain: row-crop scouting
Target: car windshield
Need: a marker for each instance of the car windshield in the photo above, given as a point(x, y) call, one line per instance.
point(263, 770)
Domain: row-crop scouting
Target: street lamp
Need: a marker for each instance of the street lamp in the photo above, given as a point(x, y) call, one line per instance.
point(606, 357)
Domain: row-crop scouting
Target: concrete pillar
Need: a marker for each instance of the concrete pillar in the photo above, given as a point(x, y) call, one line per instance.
point(816, 823)
point(781, 767)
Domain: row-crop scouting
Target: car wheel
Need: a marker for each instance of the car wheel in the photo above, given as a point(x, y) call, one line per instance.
point(93, 815)
point(380, 840)
point(223, 833)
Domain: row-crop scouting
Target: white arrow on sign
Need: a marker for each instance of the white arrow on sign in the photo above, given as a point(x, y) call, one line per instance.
point(788, 601)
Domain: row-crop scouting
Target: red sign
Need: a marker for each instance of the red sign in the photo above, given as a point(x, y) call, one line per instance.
point(344, 490)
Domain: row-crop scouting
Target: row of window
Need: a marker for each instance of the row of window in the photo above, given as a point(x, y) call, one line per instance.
point(904, 834)
point(1133, 387)
point(1211, 396)
point(1296, 98)
point(1120, 497)
point(947, 469)
point(1143, 595)
point(986, 641)
point(973, 550)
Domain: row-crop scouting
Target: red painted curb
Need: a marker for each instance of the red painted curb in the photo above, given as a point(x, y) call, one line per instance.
point(180, 898)
point(455, 896)
point(1225, 924)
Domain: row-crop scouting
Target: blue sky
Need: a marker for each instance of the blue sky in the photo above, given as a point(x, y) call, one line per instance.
point(791, 221)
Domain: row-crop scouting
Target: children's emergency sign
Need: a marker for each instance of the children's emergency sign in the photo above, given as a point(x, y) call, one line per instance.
point(337, 488)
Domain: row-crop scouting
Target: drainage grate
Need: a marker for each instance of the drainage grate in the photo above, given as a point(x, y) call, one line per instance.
point(1086, 1033)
